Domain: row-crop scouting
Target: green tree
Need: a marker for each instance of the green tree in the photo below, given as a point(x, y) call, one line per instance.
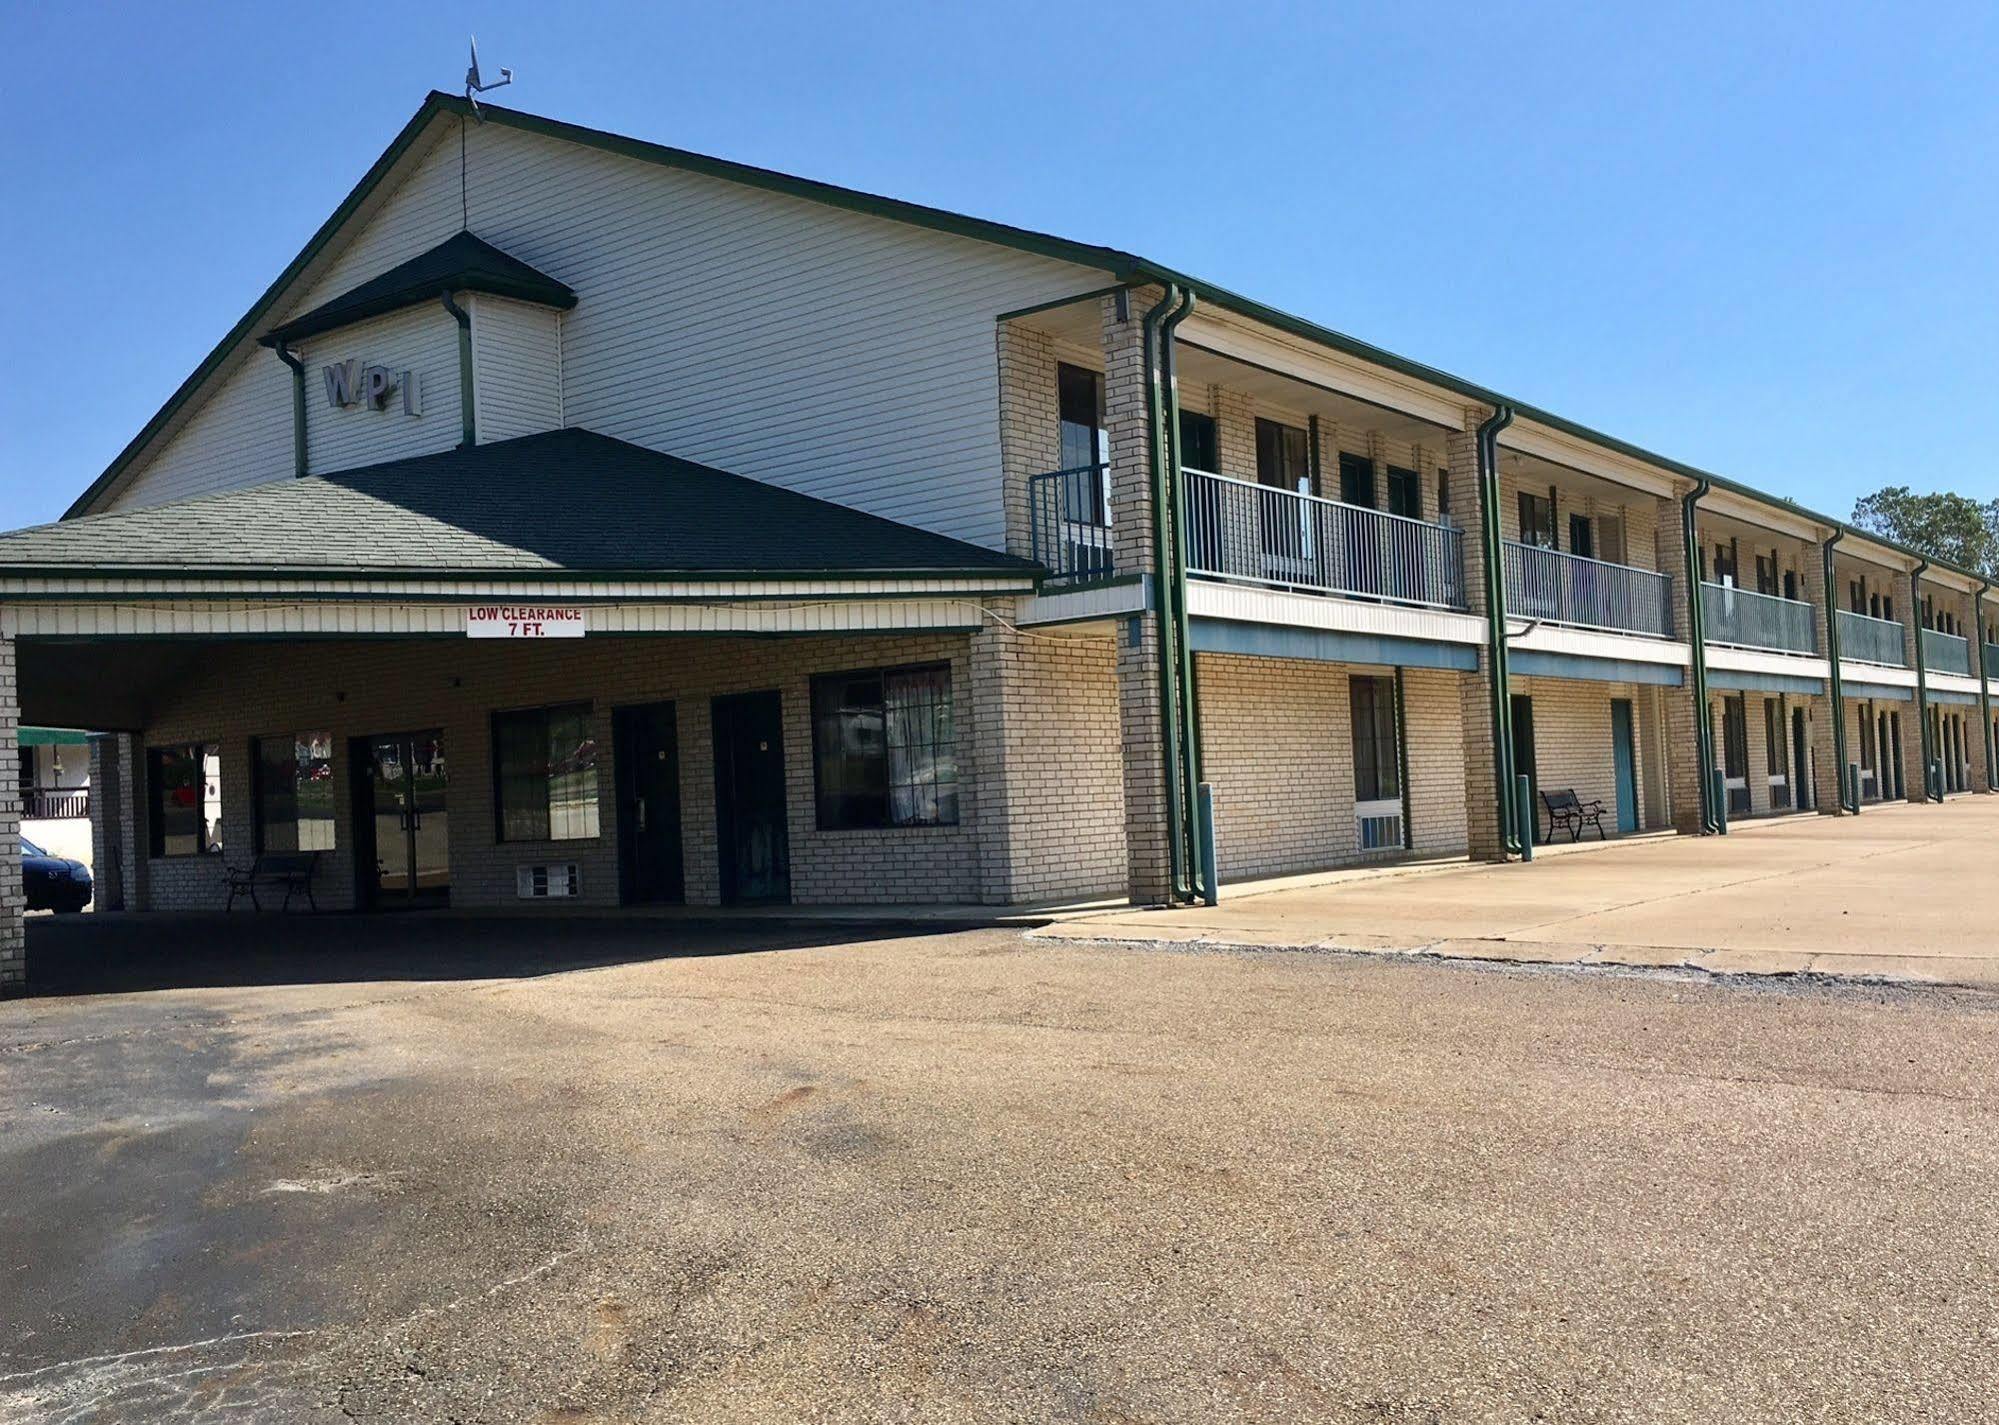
point(1949, 527)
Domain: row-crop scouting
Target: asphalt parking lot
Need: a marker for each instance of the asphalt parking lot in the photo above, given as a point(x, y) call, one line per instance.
point(509, 1171)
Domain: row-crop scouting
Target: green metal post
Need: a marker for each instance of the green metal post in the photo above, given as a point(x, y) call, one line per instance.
point(467, 407)
point(292, 359)
point(1177, 810)
point(1204, 806)
point(1927, 743)
point(1523, 816)
point(1495, 606)
point(1176, 489)
point(1835, 687)
point(1718, 792)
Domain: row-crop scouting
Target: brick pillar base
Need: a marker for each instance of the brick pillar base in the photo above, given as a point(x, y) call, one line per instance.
point(13, 904)
point(1827, 774)
point(1485, 838)
point(1143, 737)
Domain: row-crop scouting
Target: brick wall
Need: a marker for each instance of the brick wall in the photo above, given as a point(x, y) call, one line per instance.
point(1573, 745)
point(1277, 743)
point(1059, 726)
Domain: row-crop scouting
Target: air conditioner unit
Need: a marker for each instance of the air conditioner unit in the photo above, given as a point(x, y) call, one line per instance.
point(540, 883)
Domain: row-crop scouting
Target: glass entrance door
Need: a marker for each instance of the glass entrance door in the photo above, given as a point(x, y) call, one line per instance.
point(408, 818)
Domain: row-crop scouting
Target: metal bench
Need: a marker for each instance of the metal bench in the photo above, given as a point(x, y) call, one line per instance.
point(1567, 811)
point(291, 869)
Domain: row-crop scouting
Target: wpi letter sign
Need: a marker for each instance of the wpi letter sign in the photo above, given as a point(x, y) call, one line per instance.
point(350, 384)
point(522, 621)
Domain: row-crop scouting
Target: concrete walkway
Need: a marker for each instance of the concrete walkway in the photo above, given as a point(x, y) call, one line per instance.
point(1900, 892)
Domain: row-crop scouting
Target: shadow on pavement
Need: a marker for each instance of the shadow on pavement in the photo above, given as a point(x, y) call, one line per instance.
point(123, 954)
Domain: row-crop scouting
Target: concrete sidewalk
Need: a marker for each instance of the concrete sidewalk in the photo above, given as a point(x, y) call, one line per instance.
point(1899, 892)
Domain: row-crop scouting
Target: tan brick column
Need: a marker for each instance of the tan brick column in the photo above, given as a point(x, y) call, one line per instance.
point(1827, 773)
point(1030, 413)
point(1915, 727)
point(1683, 769)
point(1141, 716)
point(1484, 838)
point(13, 904)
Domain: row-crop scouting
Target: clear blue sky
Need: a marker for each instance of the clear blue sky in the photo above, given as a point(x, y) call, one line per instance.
point(1763, 243)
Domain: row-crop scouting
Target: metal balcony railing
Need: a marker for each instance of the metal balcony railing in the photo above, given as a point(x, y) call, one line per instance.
point(1553, 587)
point(1240, 530)
point(1069, 522)
point(1865, 639)
point(56, 803)
point(1946, 652)
point(1744, 619)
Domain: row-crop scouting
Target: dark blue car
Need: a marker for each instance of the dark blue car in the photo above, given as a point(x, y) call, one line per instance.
point(51, 882)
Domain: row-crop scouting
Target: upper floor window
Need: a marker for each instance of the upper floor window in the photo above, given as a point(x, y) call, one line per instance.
point(1200, 445)
point(1537, 520)
point(1283, 456)
point(884, 748)
point(294, 791)
point(1404, 496)
point(1443, 490)
point(185, 799)
point(1766, 574)
point(1356, 480)
point(545, 773)
point(1079, 395)
point(1724, 564)
point(1582, 536)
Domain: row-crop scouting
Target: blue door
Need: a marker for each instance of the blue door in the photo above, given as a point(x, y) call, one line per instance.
point(1627, 764)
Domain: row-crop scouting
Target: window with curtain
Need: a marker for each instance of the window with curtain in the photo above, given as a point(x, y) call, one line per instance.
point(545, 773)
point(294, 791)
point(185, 799)
point(1537, 520)
point(884, 748)
point(1283, 456)
point(1377, 761)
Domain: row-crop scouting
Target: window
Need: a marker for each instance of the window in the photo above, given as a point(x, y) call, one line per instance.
point(1377, 762)
point(1791, 584)
point(1766, 574)
point(1403, 495)
point(1867, 737)
point(294, 791)
point(1856, 598)
point(1773, 736)
point(1537, 519)
point(1582, 536)
point(1283, 459)
point(186, 800)
point(1734, 738)
point(1200, 447)
point(1610, 538)
point(1084, 445)
point(1443, 491)
point(884, 751)
point(1356, 480)
point(545, 773)
point(1724, 564)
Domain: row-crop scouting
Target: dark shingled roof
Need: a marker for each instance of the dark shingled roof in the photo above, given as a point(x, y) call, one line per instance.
point(465, 263)
point(562, 503)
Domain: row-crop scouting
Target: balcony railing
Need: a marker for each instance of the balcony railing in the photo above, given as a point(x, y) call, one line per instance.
point(1864, 639)
point(1946, 652)
point(1553, 587)
point(56, 803)
point(1069, 522)
point(1749, 620)
point(1239, 530)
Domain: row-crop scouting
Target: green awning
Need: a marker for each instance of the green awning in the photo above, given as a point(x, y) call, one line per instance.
point(53, 737)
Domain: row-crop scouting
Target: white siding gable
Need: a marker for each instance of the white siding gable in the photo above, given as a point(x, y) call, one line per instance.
point(422, 339)
point(241, 435)
point(516, 368)
point(842, 354)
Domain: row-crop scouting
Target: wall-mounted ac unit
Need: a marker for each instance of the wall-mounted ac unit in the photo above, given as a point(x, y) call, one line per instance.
point(541, 883)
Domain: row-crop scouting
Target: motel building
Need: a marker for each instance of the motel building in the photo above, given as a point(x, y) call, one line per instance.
point(581, 522)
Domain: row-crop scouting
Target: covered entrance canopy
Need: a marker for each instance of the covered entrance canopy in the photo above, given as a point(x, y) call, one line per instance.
point(340, 605)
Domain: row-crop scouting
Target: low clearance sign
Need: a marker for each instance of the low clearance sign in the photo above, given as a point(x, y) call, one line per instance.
point(522, 621)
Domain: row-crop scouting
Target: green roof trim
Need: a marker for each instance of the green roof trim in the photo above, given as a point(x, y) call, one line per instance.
point(1125, 268)
point(566, 505)
point(463, 262)
point(53, 737)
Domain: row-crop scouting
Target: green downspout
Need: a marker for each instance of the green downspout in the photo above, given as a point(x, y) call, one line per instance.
point(465, 416)
point(1176, 489)
point(1697, 648)
point(1495, 606)
point(1922, 672)
point(292, 359)
point(1163, 595)
point(1984, 674)
point(1835, 686)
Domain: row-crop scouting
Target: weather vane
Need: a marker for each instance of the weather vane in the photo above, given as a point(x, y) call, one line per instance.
point(474, 85)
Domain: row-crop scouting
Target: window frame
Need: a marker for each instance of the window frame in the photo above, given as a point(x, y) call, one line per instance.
point(156, 832)
point(882, 674)
point(1528, 503)
point(1213, 441)
point(1379, 686)
point(545, 711)
point(1405, 487)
